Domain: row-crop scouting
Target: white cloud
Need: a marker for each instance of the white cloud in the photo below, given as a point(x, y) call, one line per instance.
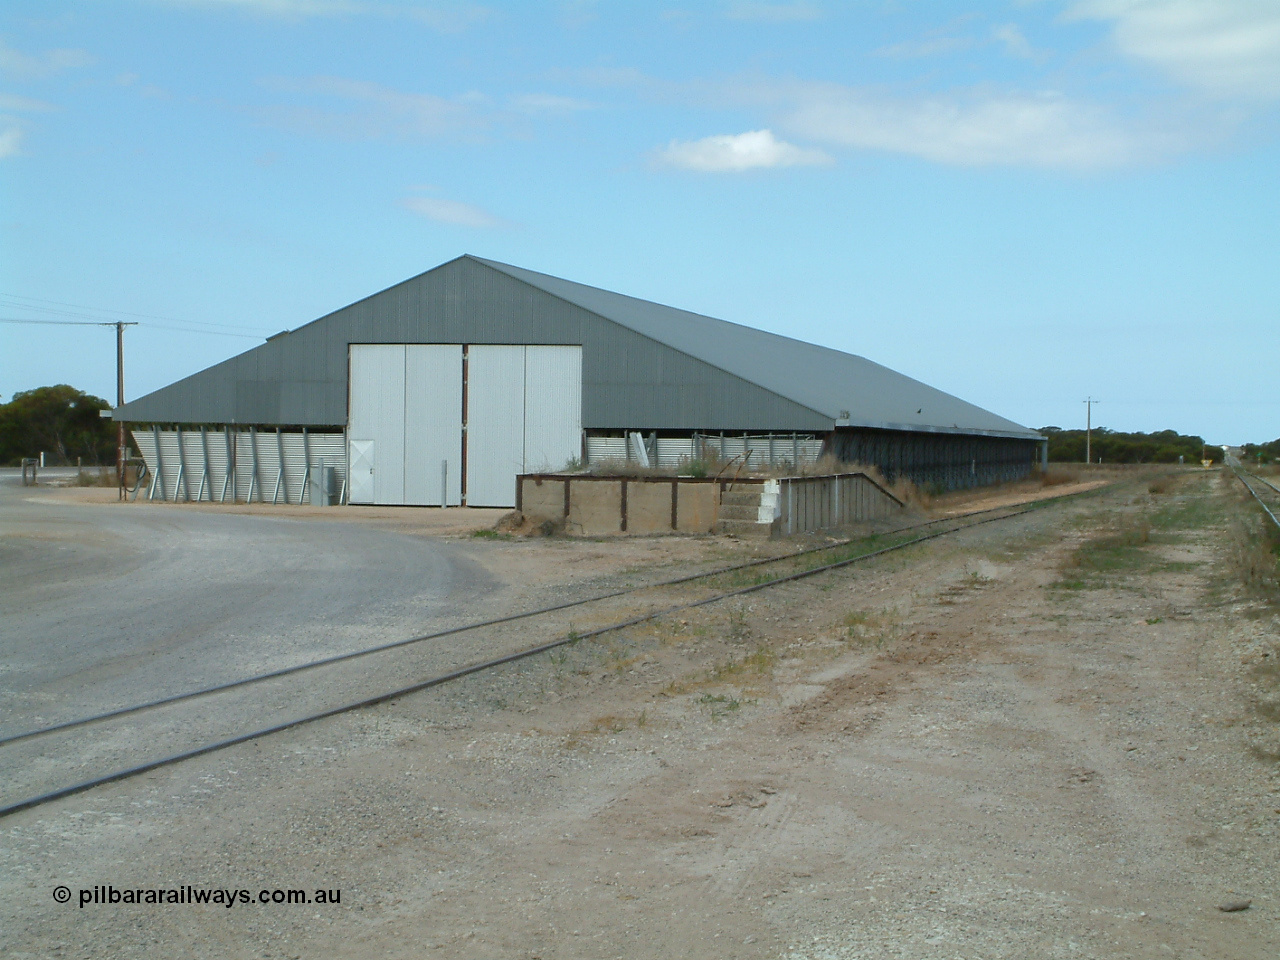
point(449, 17)
point(800, 10)
point(441, 17)
point(25, 66)
point(375, 111)
point(10, 141)
point(288, 9)
point(753, 150)
point(932, 47)
point(452, 212)
point(1227, 48)
point(1015, 44)
point(549, 103)
point(971, 128)
point(11, 101)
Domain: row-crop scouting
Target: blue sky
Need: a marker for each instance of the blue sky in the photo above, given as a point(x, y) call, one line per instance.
point(1022, 203)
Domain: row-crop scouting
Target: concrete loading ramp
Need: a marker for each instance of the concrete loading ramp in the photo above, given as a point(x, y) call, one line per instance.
point(754, 506)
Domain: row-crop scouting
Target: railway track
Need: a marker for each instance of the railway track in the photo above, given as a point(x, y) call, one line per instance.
point(1266, 493)
point(48, 763)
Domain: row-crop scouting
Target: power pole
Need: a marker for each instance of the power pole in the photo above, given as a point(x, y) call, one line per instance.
point(1088, 430)
point(120, 448)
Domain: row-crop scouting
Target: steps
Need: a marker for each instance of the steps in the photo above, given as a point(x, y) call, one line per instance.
point(739, 514)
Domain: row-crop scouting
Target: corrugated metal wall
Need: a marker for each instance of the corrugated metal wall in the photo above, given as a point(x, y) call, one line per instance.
point(937, 460)
point(269, 466)
point(762, 450)
point(822, 503)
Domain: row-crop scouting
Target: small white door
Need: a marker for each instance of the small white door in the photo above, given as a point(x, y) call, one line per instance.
point(360, 480)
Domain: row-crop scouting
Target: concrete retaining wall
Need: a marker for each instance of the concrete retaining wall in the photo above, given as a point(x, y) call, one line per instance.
point(598, 506)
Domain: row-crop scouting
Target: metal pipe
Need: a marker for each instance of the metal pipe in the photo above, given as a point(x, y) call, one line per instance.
point(159, 476)
point(182, 470)
point(254, 479)
point(204, 473)
point(279, 472)
point(230, 468)
point(306, 465)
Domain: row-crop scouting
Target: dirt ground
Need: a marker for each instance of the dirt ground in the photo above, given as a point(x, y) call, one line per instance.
point(1053, 736)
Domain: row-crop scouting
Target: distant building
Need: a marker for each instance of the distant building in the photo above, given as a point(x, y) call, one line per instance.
point(441, 389)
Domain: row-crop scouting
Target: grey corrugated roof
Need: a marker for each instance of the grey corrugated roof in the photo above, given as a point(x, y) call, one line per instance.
point(826, 381)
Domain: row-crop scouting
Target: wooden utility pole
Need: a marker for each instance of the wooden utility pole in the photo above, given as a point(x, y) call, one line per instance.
point(1088, 430)
point(120, 450)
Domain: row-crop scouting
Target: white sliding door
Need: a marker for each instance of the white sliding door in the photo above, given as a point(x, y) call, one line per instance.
point(376, 413)
point(495, 424)
point(433, 424)
point(405, 420)
point(552, 407)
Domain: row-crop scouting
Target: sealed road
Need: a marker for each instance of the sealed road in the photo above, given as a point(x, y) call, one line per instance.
point(107, 604)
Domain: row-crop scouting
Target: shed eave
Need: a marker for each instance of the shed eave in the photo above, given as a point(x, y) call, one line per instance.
point(929, 428)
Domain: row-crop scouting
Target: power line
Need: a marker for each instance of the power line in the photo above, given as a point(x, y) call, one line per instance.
point(58, 323)
point(129, 323)
point(123, 313)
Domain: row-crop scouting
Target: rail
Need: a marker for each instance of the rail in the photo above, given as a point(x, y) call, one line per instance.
point(1241, 474)
point(573, 637)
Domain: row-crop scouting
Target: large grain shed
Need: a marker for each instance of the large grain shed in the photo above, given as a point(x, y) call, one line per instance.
point(441, 389)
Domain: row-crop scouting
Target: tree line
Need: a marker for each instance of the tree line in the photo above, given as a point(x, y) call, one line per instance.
point(1261, 452)
point(61, 422)
point(1113, 446)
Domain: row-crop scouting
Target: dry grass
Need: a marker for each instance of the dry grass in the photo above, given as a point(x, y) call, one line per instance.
point(1057, 476)
point(1254, 553)
point(96, 477)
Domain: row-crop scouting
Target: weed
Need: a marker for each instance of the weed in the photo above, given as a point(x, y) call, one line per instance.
point(1152, 621)
point(610, 723)
point(1252, 554)
point(758, 663)
point(103, 477)
point(867, 628)
point(1096, 562)
point(722, 704)
point(738, 629)
point(695, 468)
point(490, 535)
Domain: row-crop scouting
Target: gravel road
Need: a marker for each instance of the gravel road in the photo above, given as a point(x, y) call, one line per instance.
point(1050, 737)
